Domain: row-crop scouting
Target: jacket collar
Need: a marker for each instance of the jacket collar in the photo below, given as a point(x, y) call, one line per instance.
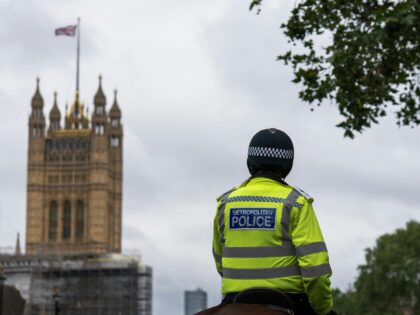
point(270, 175)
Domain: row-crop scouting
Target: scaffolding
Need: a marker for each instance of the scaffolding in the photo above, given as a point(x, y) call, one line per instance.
point(106, 284)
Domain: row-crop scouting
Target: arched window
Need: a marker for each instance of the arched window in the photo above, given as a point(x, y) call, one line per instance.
point(66, 220)
point(99, 110)
point(80, 220)
point(115, 141)
point(114, 122)
point(99, 129)
point(53, 222)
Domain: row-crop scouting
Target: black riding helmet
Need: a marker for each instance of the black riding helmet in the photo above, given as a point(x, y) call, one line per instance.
point(270, 150)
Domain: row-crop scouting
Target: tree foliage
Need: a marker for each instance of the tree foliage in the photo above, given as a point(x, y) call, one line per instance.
point(345, 303)
point(389, 281)
point(371, 65)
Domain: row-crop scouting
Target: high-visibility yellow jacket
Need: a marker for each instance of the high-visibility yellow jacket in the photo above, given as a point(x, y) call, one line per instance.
point(266, 235)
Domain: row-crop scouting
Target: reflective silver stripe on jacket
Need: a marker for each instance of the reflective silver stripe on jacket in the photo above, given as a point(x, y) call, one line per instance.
point(217, 258)
point(289, 203)
point(259, 252)
point(274, 251)
point(316, 271)
point(222, 223)
point(221, 218)
point(311, 248)
point(261, 273)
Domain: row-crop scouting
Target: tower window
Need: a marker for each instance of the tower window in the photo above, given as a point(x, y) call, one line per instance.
point(35, 131)
point(52, 231)
point(114, 122)
point(37, 113)
point(99, 110)
point(99, 129)
point(80, 220)
point(66, 220)
point(115, 142)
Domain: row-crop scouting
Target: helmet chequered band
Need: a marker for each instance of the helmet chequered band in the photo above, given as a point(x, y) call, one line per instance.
point(270, 152)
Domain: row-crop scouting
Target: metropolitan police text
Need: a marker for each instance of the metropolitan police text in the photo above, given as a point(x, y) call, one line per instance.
point(252, 218)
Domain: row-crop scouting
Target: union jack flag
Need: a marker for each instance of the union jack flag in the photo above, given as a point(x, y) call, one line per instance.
point(69, 30)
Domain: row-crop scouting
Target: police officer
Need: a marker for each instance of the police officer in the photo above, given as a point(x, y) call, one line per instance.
point(266, 234)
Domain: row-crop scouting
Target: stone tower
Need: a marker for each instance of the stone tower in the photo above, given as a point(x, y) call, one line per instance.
point(74, 182)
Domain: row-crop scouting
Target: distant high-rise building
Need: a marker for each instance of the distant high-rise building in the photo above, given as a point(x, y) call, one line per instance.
point(195, 301)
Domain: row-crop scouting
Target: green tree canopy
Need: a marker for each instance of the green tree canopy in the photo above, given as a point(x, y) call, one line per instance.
point(389, 281)
point(371, 66)
point(345, 303)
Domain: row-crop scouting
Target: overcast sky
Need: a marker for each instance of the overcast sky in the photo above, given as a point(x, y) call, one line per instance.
point(196, 80)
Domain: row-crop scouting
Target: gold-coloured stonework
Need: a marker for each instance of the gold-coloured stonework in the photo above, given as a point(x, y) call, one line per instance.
point(74, 188)
point(62, 133)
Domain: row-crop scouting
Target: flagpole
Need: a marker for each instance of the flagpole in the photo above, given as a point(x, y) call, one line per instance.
point(78, 55)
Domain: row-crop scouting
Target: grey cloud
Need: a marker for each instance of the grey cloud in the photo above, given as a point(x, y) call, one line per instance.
point(31, 44)
point(132, 233)
point(244, 48)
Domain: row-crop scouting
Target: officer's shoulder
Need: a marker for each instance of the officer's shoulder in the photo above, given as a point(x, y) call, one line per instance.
point(303, 193)
point(226, 194)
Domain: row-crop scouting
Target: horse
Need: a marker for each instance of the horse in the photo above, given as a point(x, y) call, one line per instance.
point(242, 309)
point(255, 301)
